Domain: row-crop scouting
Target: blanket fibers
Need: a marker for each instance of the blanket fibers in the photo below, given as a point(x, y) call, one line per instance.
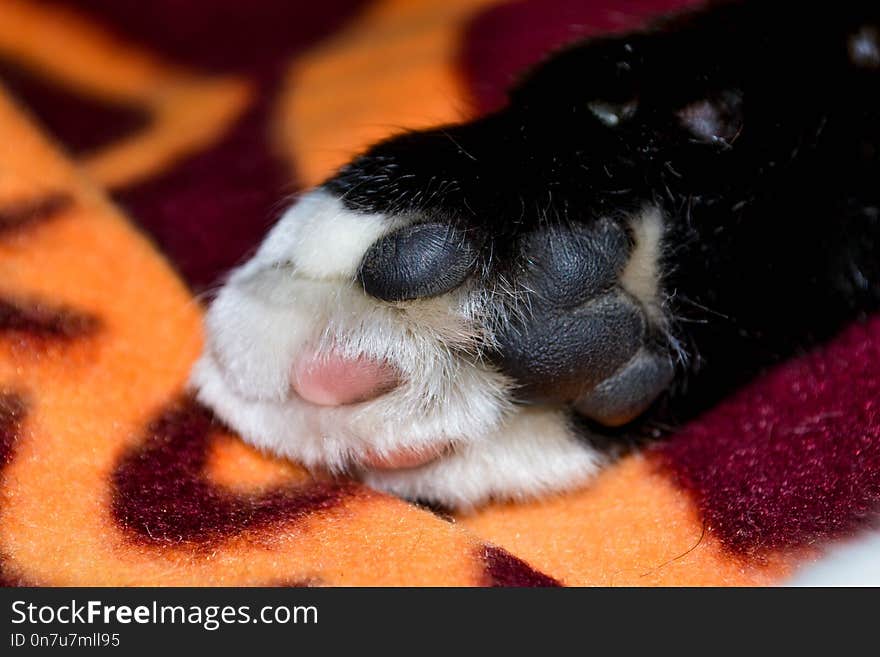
point(146, 147)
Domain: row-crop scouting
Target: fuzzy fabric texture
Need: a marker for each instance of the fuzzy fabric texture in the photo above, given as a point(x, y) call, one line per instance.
point(198, 119)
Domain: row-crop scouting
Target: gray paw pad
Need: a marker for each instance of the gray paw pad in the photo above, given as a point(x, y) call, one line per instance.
point(421, 260)
point(625, 395)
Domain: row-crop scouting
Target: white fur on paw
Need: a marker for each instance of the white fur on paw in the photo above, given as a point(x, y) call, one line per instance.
point(641, 277)
point(298, 293)
point(534, 453)
point(322, 238)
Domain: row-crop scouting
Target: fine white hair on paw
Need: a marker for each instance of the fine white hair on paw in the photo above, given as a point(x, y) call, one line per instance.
point(298, 294)
point(535, 452)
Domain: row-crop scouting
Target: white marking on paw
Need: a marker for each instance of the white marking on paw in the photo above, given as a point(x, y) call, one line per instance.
point(533, 453)
point(642, 276)
point(322, 237)
point(288, 300)
point(336, 438)
point(258, 323)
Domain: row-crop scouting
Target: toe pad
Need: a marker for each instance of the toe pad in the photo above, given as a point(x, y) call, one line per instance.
point(422, 260)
